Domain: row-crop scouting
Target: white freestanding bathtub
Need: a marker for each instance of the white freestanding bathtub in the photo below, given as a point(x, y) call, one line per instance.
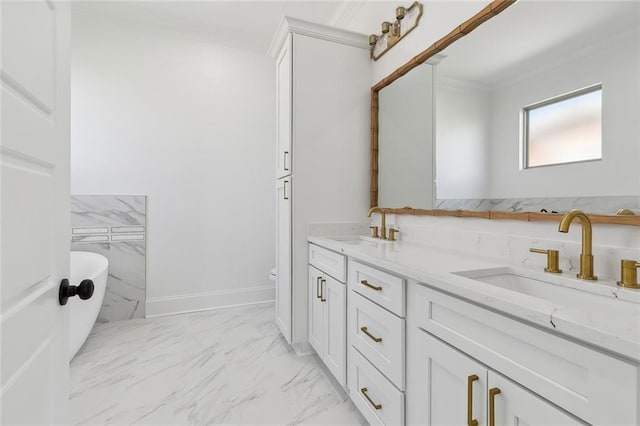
point(83, 313)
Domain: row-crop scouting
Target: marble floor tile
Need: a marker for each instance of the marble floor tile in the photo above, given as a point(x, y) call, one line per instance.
point(228, 366)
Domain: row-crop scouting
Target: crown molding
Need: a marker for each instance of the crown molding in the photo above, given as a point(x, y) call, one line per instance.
point(292, 25)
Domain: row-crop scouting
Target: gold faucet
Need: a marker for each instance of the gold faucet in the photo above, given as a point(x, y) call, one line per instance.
point(383, 225)
point(586, 258)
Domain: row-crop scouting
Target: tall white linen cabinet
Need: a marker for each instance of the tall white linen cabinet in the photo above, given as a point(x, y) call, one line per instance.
point(323, 78)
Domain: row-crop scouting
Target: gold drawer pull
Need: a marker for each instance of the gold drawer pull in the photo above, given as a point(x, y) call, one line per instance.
point(492, 405)
point(470, 420)
point(374, 338)
point(366, 283)
point(376, 406)
point(322, 287)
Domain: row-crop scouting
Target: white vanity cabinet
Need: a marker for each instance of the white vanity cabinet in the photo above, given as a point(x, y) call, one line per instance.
point(328, 310)
point(323, 80)
point(543, 378)
point(425, 348)
point(376, 339)
point(446, 387)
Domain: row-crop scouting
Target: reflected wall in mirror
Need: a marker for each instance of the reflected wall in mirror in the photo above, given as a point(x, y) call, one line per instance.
point(405, 127)
point(490, 76)
point(528, 53)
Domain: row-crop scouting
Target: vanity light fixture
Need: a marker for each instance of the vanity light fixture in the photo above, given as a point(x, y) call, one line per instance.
point(393, 32)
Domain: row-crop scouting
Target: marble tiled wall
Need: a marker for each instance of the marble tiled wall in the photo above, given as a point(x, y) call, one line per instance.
point(509, 241)
point(114, 226)
point(600, 205)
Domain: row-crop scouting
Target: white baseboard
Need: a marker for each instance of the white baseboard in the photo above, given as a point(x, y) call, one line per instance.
point(184, 303)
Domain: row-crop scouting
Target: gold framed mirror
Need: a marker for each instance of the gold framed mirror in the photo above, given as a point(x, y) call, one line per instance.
point(381, 169)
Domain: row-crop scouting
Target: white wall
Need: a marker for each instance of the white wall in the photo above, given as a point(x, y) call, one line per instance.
point(440, 17)
point(190, 124)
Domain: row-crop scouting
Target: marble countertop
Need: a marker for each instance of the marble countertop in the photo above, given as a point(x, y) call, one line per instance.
point(617, 331)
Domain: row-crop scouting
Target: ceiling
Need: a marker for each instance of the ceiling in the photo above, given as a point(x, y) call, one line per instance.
point(248, 24)
point(508, 42)
point(531, 32)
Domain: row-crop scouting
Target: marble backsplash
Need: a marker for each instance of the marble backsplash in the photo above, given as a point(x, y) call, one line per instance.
point(510, 241)
point(598, 205)
point(115, 227)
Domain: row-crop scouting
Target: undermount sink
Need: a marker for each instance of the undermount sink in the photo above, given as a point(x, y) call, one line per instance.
point(586, 296)
point(360, 240)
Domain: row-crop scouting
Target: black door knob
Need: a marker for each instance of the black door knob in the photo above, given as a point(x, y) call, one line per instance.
point(84, 291)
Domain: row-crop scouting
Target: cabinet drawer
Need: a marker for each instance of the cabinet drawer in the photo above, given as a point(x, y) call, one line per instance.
point(379, 335)
point(596, 387)
point(328, 261)
point(376, 398)
point(385, 289)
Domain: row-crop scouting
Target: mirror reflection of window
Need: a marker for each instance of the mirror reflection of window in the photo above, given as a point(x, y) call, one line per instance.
point(565, 129)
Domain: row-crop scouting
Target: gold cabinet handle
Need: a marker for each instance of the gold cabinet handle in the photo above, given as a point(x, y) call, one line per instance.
point(470, 420)
point(284, 160)
point(366, 283)
point(286, 197)
point(318, 289)
point(492, 405)
point(371, 336)
point(322, 287)
point(373, 404)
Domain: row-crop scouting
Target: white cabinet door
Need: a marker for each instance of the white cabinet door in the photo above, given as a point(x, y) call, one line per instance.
point(35, 210)
point(283, 108)
point(327, 322)
point(283, 257)
point(514, 405)
point(444, 386)
point(335, 308)
point(316, 311)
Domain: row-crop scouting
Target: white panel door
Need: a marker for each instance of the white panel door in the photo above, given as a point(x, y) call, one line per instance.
point(283, 257)
point(34, 157)
point(514, 405)
point(444, 386)
point(335, 327)
point(283, 109)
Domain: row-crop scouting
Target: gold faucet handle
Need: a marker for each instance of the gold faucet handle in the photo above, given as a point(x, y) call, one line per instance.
point(629, 273)
point(392, 233)
point(374, 232)
point(553, 257)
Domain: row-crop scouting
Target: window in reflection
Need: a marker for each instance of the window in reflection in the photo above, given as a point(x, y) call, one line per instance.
point(565, 129)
